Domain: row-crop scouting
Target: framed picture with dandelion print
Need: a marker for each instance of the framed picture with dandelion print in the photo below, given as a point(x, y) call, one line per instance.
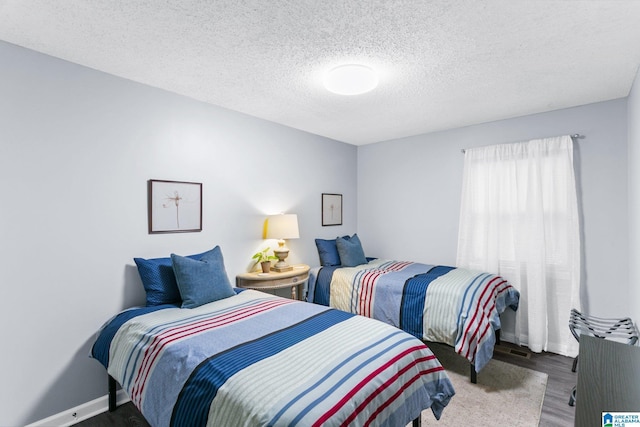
point(331, 209)
point(174, 206)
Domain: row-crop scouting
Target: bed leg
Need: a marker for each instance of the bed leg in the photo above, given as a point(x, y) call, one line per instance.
point(417, 422)
point(472, 374)
point(498, 337)
point(112, 394)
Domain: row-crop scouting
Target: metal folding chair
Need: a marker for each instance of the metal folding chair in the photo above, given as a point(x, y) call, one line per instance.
point(622, 330)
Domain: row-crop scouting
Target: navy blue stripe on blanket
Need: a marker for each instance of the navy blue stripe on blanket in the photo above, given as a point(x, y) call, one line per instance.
point(323, 285)
point(194, 401)
point(100, 349)
point(413, 296)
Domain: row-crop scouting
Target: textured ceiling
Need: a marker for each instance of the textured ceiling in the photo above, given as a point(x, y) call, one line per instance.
point(442, 64)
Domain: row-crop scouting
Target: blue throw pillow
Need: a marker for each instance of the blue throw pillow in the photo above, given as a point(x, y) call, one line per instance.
point(159, 281)
point(202, 281)
point(328, 252)
point(350, 251)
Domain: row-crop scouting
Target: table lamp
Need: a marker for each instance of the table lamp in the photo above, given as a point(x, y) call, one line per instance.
point(281, 227)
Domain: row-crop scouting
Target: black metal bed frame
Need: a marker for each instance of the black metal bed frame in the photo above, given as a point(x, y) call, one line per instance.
point(473, 375)
point(112, 393)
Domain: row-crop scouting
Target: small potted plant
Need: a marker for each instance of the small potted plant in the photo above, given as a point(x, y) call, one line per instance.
point(264, 259)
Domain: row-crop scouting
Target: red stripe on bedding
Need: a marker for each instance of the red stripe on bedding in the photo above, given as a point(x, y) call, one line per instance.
point(369, 282)
point(348, 396)
point(159, 342)
point(395, 266)
point(469, 343)
point(366, 292)
point(487, 328)
point(489, 289)
point(388, 383)
point(398, 266)
point(399, 393)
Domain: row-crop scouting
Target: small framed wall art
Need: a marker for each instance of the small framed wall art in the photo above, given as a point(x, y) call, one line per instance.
point(331, 209)
point(174, 206)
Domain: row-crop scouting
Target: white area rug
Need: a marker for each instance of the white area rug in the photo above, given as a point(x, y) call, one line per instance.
point(505, 395)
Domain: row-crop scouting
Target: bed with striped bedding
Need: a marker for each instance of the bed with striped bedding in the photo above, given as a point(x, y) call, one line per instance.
point(449, 305)
point(255, 359)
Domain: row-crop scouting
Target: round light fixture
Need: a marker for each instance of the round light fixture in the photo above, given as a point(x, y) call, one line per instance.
point(351, 79)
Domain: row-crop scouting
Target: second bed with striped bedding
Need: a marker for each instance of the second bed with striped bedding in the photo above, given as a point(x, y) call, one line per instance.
point(450, 305)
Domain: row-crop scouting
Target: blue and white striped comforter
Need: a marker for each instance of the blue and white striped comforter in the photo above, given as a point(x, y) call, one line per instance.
point(450, 305)
point(256, 359)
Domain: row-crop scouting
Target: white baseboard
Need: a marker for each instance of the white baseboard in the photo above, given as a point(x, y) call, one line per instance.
point(508, 337)
point(81, 412)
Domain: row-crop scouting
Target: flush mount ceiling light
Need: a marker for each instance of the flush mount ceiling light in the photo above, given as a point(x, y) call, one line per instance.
point(351, 79)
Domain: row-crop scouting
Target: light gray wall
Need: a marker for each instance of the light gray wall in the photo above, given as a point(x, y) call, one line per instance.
point(633, 123)
point(409, 193)
point(76, 150)
point(77, 147)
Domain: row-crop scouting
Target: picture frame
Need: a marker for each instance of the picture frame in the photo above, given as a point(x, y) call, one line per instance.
point(331, 209)
point(174, 206)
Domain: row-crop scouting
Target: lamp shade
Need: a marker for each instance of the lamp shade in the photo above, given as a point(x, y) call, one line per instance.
point(284, 226)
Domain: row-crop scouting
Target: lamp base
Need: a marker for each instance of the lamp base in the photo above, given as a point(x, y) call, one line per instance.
point(281, 253)
point(285, 267)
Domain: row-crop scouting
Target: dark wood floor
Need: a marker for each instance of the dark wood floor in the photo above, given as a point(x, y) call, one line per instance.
point(555, 410)
point(125, 415)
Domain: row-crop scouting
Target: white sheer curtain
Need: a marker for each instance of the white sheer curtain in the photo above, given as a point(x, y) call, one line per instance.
point(519, 219)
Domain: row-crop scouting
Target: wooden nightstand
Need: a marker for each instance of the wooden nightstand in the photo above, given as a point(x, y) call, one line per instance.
point(294, 279)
